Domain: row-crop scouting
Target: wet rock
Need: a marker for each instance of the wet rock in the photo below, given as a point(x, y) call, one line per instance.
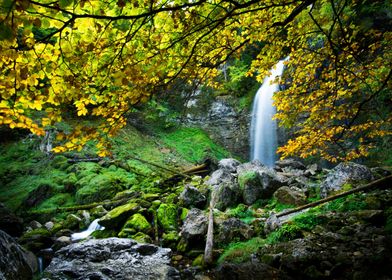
point(290, 195)
point(61, 242)
point(233, 229)
point(117, 216)
point(36, 239)
point(195, 226)
point(345, 173)
point(15, 262)
point(9, 222)
point(112, 258)
point(192, 197)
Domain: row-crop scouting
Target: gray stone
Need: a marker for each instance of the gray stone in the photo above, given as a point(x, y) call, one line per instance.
point(195, 225)
point(61, 242)
point(291, 163)
point(229, 164)
point(15, 262)
point(345, 173)
point(258, 181)
point(192, 197)
point(49, 225)
point(111, 258)
point(220, 176)
point(233, 229)
point(35, 225)
point(225, 195)
point(290, 195)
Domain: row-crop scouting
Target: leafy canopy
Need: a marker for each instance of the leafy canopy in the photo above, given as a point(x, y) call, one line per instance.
point(98, 59)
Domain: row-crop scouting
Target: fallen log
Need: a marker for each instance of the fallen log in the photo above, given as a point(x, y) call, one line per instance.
point(381, 183)
point(80, 207)
point(208, 252)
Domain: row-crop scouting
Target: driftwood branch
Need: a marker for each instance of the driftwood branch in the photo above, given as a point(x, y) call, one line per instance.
point(381, 183)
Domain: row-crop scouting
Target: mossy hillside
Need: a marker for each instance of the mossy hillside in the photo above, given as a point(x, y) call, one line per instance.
point(192, 144)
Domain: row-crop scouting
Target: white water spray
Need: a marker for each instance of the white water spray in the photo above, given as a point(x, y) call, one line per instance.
point(84, 234)
point(263, 135)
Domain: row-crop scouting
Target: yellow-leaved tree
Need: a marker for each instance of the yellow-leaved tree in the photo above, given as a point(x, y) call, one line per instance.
point(98, 59)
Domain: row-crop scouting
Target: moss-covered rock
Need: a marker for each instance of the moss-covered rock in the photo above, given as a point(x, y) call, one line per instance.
point(170, 239)
point(142, 237)
point(167, 216)
point(72, 222)
point(116, 217)
point(36, 239)
point(150, 196)
point(184, 213)
point(138, 223)
point(106, 233)
point(199, 261)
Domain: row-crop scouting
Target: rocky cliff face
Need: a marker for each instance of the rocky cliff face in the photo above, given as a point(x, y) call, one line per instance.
point(223, 124)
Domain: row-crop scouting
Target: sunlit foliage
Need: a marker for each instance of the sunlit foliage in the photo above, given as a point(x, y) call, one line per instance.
point(98, 59)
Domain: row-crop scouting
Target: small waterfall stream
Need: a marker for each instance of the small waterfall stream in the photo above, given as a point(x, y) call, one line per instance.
point(84, 234)
point(263, 134)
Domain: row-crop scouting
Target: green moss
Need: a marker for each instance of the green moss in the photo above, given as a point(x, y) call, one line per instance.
point(137, 222)
point(106, 233)
point(184, 213)
point(285, 233)
point(199, 261)
point(95, 187)
point(246, 177)
point(193, 144)
point(276, 206)
point(351, 202)
point(116, 217)
point(142, 237)
point(35, 232)
point(167, 216)
point(241, 251)
point(241, 211)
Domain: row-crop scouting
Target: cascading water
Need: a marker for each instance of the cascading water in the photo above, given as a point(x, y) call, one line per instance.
point(84, 234)
point(263, 136)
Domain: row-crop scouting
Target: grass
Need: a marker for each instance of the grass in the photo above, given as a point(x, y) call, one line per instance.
point(241, 251)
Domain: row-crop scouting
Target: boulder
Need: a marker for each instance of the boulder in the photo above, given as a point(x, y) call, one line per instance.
point(61, 242)
point(345, 173)
point(258, 181)
point(192, 197)
point(225, 195)
point(136, 223)
point(9, 222)
point(233, 229)
point(290, 163)
point(220, 176)
point(111, 258)
point(15, 262)
point(229, 164)
point(36, 239)
point(195, 226)
point(290, 195)
point(117, 216)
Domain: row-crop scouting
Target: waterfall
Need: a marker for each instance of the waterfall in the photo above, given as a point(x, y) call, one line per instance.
point(40, 265)
point(263, 136)
point(84, 234)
